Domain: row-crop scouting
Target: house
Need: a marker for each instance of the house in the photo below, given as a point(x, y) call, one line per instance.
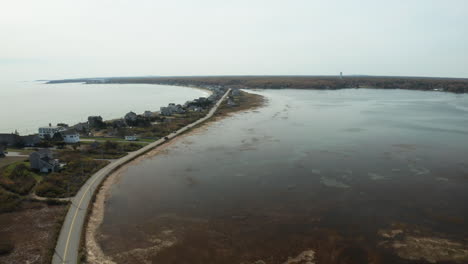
point(43, 161)
point(30, 140)
point(50, 131)
point(117, 123)
point(148, 114)
point(9, 139)
point(131, 138)
point(17, 140)
point(166, 111)
point(82, 126)
point(172, 109)
point(70, 136)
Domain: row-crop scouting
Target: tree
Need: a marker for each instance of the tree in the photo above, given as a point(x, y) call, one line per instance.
point(57, 137)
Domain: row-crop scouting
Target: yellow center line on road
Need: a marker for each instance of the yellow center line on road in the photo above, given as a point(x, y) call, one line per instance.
point(73, 221)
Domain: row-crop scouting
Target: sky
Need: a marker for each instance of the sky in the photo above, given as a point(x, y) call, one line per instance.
point(54, 39)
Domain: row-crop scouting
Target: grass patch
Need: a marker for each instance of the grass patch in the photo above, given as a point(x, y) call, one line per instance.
point(8, 201)
point(109, 149)
point(18, 178)
point(9, 160)
point(117, 139)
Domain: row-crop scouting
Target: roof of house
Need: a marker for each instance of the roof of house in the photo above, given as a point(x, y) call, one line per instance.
point(41, 153)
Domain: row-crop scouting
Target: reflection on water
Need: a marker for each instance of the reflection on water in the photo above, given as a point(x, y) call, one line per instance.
point(356, 176)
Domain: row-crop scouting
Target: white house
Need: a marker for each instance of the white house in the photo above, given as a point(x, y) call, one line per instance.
point(71, 136)
point(131, 138)
point(50, 131)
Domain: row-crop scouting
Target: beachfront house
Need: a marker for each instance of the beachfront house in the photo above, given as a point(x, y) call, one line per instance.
point(172, 109)
point(148, 114)
point(50, 131)
point(30, 140)
point(70, 136)
point(43, 161)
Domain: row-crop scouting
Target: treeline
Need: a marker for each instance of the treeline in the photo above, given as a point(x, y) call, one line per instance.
point(309, 82)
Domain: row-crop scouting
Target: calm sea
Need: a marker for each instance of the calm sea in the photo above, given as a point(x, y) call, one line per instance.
point(332, 171)
point(25, 106)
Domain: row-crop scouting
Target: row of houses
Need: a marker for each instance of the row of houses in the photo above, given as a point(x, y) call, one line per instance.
point(14, 139)
point(196, 105)
point(69, 135)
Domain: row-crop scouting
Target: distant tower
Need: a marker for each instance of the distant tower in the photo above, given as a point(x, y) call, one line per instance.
point(341, 75)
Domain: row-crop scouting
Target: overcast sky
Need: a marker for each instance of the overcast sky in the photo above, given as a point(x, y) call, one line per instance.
point(86, 38)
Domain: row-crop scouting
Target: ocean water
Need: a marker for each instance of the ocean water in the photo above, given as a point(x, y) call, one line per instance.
point(331, 171)
point(27, 105)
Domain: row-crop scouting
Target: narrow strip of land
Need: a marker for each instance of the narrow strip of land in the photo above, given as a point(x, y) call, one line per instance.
point(68, 243)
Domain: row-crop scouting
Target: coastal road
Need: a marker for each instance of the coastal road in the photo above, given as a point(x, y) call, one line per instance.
point(68, 243)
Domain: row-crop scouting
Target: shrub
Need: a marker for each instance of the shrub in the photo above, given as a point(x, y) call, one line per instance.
point(8, 202)
point(20, 180)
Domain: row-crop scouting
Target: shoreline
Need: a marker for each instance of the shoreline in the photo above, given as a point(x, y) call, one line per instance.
point(92, 249)
point(73, 118)
point(70, 239)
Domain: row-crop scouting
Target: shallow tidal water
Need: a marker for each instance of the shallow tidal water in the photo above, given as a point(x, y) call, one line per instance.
point(356, 175)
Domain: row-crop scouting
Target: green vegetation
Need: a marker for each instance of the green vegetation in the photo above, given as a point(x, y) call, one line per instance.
point(68, 181)
point(116, 139)
point(17, 178)
point(170, 124)
point(8, 201)
point(109, 149)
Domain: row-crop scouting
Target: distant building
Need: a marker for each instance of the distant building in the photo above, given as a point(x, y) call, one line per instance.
point(83, 127)
point(17, 140)
point(341, 75)
point(131, 138)
point(172, 109)
point(31, 140)
point(148, 114)
point(70, 136)
point(2, 151)
point(50, 131)
point(118, 123)
point(43, 161)
point(9, 139)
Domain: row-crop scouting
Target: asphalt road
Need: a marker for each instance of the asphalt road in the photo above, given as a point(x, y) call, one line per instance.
point(68, 243)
